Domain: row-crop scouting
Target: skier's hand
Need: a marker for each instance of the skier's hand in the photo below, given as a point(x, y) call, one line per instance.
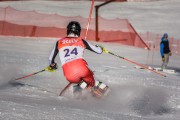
point(103, 49)
point(170, 53)
point(52, 67)
point(163, 58)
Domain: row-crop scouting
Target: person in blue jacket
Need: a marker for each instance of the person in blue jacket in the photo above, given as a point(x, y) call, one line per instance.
point(165, 51)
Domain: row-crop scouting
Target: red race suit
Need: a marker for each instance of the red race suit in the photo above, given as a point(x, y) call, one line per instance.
point(71, 50)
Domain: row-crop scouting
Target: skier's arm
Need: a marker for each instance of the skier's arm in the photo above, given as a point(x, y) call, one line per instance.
point(53, 54)
point(92, 48)
point(162, 49)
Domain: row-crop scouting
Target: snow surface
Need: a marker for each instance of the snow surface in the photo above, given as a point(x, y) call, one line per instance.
point(136, 94)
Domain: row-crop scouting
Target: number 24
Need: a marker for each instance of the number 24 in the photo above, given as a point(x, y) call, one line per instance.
point(68, 52)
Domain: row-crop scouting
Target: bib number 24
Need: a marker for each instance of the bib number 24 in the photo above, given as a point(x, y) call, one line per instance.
point(69, 52)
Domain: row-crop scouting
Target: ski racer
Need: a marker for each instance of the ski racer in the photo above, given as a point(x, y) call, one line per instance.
point(71, 49)
point(165, 51)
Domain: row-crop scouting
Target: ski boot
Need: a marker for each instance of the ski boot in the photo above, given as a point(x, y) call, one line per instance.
point(77, 91)
point(99, 90)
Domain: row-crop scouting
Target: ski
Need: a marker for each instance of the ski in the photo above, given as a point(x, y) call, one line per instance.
point(170, 71)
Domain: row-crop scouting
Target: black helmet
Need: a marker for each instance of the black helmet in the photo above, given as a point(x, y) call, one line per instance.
point(74, 27)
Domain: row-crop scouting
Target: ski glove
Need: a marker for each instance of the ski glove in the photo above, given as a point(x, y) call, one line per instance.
point(170, 53)
point(103, 49)
point(52, 67)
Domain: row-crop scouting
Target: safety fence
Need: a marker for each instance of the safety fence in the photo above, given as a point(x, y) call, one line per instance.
point(133, 0)
point(33, 24)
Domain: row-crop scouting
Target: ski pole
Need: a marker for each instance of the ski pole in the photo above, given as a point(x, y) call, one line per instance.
point(30, 74)
point(143, 66)
point(89, 19)
point(61, 93)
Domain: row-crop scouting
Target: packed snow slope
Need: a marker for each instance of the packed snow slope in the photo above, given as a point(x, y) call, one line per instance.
point(136, 94)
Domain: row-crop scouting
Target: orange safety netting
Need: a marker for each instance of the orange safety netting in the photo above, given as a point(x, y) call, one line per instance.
point(30, 23)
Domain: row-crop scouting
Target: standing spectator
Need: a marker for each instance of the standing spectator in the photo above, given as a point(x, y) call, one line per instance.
point(165, 51)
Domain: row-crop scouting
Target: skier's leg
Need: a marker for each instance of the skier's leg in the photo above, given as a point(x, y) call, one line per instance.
point(163, 65)
point(166, 60)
